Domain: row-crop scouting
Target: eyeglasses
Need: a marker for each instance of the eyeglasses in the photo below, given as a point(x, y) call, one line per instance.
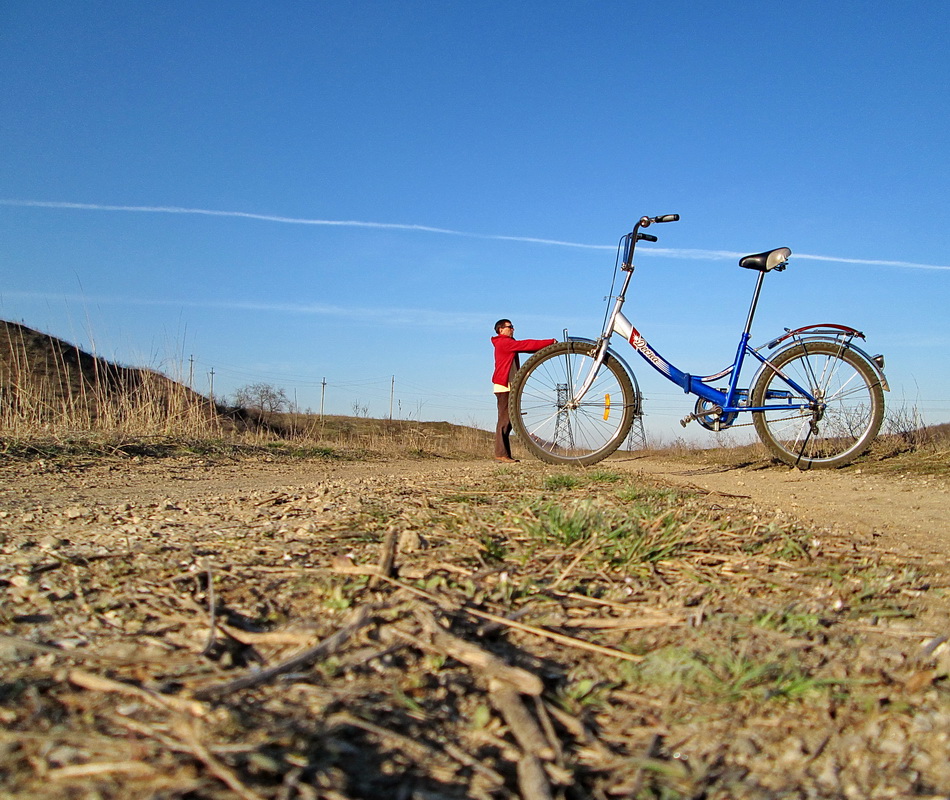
point(506, 326)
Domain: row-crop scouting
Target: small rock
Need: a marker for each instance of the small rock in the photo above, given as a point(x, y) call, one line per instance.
point(411, 541)
point(52, 543)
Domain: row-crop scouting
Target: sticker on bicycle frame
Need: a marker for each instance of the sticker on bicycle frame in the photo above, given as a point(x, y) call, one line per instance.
point(640, 344)
point(606, 406)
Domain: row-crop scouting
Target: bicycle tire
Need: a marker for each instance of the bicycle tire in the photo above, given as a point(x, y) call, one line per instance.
point(558, 434)
point(853, 399)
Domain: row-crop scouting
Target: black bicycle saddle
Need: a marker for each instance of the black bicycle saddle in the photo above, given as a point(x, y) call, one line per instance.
point(770, 259)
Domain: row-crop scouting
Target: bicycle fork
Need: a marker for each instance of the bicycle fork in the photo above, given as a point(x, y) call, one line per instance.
point(616, 323)
point(576, 396)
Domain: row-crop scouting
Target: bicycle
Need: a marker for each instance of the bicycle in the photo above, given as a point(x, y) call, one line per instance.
point(817, 402)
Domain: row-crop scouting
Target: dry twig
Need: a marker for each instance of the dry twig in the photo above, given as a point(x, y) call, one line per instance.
point(96, 683)
point(523, 726)
point(387, 558)
point(487, 664)
point(509, 623)
point(532, 781)
point(327, 647)
point(220, 771)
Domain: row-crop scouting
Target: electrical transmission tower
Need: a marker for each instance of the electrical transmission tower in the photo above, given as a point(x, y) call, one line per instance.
point(563, 436)
point(637, 438)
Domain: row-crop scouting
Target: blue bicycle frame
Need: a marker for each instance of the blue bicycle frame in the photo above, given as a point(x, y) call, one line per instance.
point(733, 399)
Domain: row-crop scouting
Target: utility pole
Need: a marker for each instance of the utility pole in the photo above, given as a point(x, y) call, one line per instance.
point(295, 416)
point(392, 391)
point(323, 391)
point(211, 379)
point(191, 372)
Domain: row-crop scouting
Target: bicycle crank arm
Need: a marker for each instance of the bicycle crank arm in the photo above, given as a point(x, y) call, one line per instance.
point(709, 412)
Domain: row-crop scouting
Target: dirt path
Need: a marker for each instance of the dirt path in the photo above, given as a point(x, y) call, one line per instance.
point(907, 514)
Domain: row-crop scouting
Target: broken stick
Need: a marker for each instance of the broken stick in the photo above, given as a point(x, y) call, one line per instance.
point(327, 647)
point(523, 726)
point(487, 664)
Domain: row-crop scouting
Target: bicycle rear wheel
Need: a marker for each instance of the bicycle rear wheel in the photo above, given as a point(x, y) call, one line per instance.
point(851, 406)
point(558, 431)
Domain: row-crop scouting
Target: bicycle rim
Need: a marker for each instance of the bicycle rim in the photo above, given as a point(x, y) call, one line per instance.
point(850, 413)
point(553, 428)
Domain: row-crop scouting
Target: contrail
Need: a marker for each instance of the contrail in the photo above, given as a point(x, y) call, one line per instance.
point(341, 223)
point(660, 251)
point(871, 262)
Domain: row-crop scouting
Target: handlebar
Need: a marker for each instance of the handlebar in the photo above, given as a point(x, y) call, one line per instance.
point(647, 221)
point(631, 239)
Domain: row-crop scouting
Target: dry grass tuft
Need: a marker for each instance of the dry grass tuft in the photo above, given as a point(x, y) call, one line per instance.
point(49, 388)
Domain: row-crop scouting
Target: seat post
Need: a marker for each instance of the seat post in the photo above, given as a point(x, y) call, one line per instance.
point(755, 302)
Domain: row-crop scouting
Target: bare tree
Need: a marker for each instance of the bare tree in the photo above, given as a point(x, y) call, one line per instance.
point(262, 397)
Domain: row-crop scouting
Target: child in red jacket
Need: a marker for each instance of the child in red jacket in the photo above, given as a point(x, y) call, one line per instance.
point(506, 365)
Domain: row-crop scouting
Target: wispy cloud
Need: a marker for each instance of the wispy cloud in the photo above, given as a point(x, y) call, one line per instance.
point(378, 316)
point(659, 251)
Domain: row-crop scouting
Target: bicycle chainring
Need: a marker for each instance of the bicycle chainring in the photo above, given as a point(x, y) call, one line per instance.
point(710, 416)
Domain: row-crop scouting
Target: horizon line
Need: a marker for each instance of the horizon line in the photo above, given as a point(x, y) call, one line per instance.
point(660, 251)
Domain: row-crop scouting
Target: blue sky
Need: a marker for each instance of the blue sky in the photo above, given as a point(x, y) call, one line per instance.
point(355, 191)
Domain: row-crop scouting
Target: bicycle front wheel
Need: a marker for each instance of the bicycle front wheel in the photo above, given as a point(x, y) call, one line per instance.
point(552, 425)
point(836, 429)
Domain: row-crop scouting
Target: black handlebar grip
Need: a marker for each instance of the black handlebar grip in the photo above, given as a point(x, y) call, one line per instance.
point(668, 218)
point(647, 237)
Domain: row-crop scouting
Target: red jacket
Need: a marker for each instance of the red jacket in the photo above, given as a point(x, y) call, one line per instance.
point(506, 355)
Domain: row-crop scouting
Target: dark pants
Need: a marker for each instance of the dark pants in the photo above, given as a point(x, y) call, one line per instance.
point(503, 429)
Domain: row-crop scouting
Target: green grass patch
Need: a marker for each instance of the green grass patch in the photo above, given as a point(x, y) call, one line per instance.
point(732, 676)
point(561, 482)
point(625, 537)
point(791, 621)
point(648, 496)
point(604, 476)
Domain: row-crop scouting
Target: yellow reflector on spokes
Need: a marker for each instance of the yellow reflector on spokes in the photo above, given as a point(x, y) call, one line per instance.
point(606, 406)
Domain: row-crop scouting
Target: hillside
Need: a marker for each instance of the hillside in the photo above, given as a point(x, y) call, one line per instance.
point(44, 379)
point(48, 386)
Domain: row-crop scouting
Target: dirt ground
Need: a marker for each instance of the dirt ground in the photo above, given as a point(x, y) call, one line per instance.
point(188, 628)
point(907, 514)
